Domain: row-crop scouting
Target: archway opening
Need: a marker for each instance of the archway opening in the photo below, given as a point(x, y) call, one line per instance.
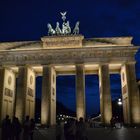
point(65, 97)
point(92, 96)
point(116, 95)
point(38, 99)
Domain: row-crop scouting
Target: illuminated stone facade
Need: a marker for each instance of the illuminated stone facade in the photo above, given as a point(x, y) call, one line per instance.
point(64, 55)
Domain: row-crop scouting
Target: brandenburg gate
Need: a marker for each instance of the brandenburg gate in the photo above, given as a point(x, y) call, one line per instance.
point(62, 54)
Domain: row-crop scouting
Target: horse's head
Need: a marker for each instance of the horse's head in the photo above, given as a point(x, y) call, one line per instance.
point(49, 25)
point(57, 24)
point(68, 23)
point(77, 23)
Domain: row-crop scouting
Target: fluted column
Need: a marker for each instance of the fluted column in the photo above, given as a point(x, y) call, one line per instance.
point(105, 96)
point(80, 91)
point(25, 97)
point(48, 101)
point(130, 94)
point(7, 92)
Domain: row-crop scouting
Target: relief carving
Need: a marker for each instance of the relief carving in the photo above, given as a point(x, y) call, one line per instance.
point(124, 89)
point(8, 92)
point(65, 55)
point(30, 92)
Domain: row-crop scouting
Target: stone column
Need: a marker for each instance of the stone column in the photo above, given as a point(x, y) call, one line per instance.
point(7, 92)
point(105, 96)
point(80, 91)
point(25, 97)
point(130, 94)
point(48, 102)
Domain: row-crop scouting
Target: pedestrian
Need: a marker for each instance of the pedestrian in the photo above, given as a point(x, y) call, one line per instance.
point(16, 129)
point(87, 124)
point(69, 130)
point(58, 131)
point(32, 127)
point(72, 130)
point(6, 128)
point(13, 129)
point(26, 128)
point(66, 129)
point(112, 122)
point(81, 130)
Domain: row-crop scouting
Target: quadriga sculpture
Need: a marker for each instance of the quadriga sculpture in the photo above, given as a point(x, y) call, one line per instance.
point(51, 31)
point(76, 28)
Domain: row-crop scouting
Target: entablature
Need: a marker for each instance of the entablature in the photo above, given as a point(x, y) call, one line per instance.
point(68, 56)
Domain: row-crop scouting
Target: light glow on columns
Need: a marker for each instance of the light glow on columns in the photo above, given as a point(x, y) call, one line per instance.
point(80, 113)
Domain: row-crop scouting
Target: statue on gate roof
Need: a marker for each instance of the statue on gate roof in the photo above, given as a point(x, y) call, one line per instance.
point(76, 28)
point(66, 28)
point(63, 15)
point(57, 29)
point(51, 31)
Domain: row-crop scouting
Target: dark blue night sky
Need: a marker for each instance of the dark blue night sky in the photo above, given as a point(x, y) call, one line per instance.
point(27, 20)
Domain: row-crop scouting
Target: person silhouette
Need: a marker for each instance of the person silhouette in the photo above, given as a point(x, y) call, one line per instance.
point(16, 129)
point(58, 131)
point(6, 128)
point(112, 122)
point(81, 130)
point(70, 129)
point(26, 128)
point(66, 129)
point(32, 127)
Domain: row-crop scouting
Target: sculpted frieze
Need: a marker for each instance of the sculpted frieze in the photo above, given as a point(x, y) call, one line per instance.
point(65, 55)
point(70, 41)
point(64, 43)
point(108, 53)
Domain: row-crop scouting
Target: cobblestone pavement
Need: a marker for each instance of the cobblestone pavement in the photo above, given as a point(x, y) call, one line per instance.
point(94, 134)
point(44, 134)
point(114, 134)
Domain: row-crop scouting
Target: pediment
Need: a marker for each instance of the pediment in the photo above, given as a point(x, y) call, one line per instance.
point(20, 45)
point(63, 42)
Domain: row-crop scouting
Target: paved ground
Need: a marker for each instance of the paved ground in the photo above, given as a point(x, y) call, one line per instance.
point(114, 134)
point(95, 134)
point(44, 134)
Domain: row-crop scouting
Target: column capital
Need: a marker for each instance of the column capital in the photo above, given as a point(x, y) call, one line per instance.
point(130, 62)
point(30, 66)
point(102, 64)
point(79, 64)
point(8, 68)
point(22, 66)
point(49, 65)
point(26, 67)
